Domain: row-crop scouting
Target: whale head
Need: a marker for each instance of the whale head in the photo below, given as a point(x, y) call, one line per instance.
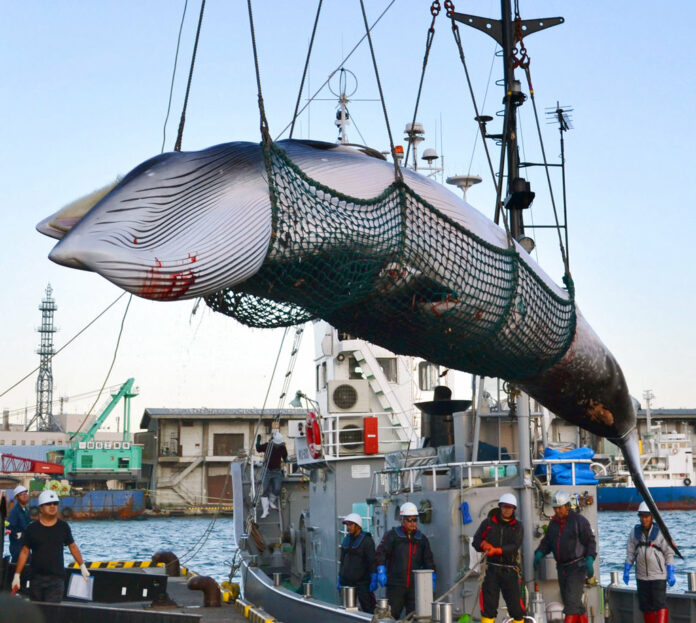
point(180, 225)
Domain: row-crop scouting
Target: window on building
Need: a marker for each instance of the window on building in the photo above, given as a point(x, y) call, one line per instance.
point(389, 367)
point(32, 442)
point(187, 422)
point(227, 444)
point(428, 376)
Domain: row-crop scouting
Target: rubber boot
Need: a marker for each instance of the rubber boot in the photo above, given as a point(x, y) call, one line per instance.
point(582, 618)
point(264, 506)
point(517, 620)
point(487, 620)
point(571, 618)
point(650, 617)
point(661, 616)
point(272, 500)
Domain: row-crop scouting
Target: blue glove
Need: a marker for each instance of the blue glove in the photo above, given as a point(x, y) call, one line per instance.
point(373, 582)
point(538, 557)
point(627, 570)
point(671, 579)
point(434, 579)
point(589, 566)
point(382, 575)
point(338, 584)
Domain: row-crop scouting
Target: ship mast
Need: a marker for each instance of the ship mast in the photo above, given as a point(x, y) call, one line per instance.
point(508, 33)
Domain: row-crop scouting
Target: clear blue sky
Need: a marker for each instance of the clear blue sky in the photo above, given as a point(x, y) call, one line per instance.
point(85, 89)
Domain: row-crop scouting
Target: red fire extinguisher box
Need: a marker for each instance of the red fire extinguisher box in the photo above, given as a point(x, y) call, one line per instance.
point(370, 435)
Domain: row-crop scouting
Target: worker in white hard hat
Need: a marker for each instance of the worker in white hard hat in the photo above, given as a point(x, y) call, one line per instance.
point(3, 517)
point(403, 549)
point(45, 539)
point(357, 564)
point(18, 520)
point(569, 536)
point(275, 453)
point(654, 561)
point(499, 537)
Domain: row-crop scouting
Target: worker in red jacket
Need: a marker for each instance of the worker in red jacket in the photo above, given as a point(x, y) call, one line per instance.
point(500, 537)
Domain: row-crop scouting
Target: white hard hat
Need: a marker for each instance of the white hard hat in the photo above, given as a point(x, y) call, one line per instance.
point(354, 518)
point(277, 437)
point(643, 508)
point(508, 498)
point(408, 509)
point(19, 489)
point(560, 498)
point(47, 497)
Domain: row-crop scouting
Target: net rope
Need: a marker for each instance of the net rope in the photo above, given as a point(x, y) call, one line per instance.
point(448, 295)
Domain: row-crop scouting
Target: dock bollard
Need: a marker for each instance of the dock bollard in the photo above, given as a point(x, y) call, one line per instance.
point(170, 561)
point(348, 597)
point(692, 582)
point(436, 612)
point(614, 578)
point(212, 597)
point(277, 579)
point(307, 589)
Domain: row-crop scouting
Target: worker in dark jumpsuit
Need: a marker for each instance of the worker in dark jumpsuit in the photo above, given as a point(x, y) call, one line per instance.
point(403, 550)
point(569, 536)
point(358, 566)
point(500, 537)
point(18, 520)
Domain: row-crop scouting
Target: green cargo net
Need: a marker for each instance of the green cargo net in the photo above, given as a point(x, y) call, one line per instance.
point(395, 271)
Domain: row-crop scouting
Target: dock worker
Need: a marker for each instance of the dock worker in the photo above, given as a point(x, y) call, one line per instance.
point(402, 550)
point(273, 478)
point(18, 520)
point(45, 539)
point(569, 536)
point(649, 551)
point(500, 537)
point(357, 564)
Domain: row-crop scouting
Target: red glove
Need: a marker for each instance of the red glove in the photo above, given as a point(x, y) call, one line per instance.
point(494, 551)
point(485, 546)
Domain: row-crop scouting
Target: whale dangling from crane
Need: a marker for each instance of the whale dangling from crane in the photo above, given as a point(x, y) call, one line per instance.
point(193, 224)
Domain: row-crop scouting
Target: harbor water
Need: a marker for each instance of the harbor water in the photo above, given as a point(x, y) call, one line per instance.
point(205, 546)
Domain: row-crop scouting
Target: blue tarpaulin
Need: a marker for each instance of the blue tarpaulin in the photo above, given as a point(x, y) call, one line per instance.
point(561, 474)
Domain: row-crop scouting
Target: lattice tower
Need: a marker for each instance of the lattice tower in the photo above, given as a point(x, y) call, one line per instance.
point(43, 419)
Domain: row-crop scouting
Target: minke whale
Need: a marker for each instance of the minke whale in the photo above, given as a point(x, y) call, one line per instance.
point(198, 224)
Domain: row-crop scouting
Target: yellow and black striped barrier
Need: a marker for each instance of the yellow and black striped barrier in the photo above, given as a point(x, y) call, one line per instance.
point(127, 564)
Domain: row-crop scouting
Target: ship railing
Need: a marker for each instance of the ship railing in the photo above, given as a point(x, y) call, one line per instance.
point(466, 474)
point(436, 476)
point(548, 463)
point(343, 434)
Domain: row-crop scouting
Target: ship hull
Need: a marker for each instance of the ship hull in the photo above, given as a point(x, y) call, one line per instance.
point(101, 504)
point(628, 498)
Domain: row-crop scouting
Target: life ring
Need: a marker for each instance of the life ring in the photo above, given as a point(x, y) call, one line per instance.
point(687, 482)
point(313, 432)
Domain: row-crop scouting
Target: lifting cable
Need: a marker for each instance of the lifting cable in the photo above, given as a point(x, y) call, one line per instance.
point(449, 7)
point(171, 86)
point(434, 11)
point(397, 168)
point(182, 121)
point(306, 67)
point(340, 66)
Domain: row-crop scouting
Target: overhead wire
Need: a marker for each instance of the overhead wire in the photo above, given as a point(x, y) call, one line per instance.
point(70, 341)
point(111, 367)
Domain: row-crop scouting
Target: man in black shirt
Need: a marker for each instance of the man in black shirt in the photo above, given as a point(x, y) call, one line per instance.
point(45, 539)
point(273, 479)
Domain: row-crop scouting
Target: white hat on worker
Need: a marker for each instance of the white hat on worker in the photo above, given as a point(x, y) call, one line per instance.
point(353, 518)
point(47, 497)
point(19, 489)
